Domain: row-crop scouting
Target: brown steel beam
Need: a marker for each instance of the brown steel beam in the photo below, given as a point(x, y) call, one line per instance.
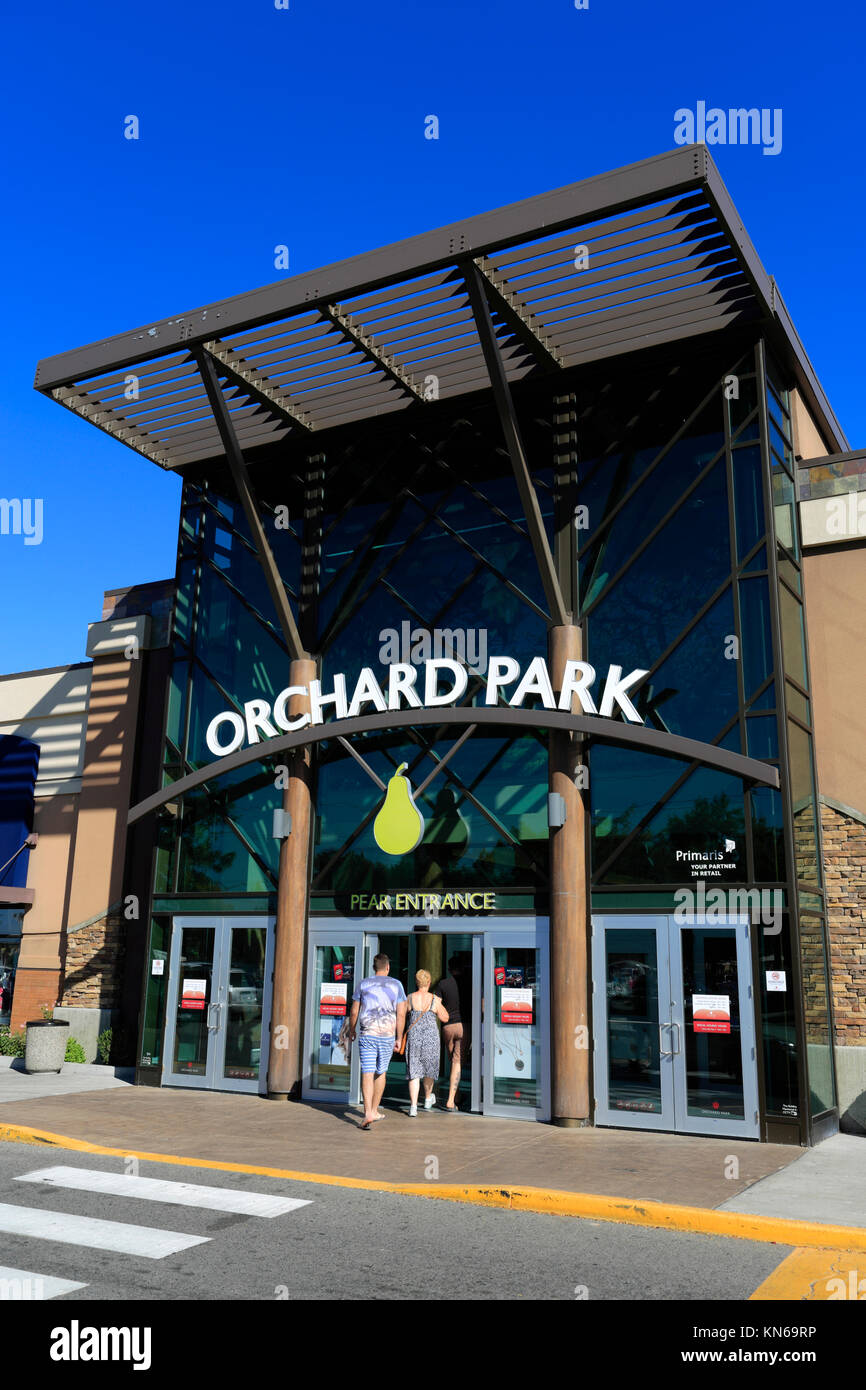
point(512, 310)
point(240, 477)
point(559, 614)
point(257, 387)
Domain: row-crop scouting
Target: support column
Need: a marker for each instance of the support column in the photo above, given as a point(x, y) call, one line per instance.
point(284, 1059)
point(569, 981)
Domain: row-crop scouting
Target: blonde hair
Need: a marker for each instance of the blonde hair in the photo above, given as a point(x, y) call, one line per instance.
point(422, 978)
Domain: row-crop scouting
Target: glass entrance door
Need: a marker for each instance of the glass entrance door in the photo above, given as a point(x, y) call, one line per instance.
point(218, 1005)
point(335, 963)
point(674, 1025)
point(440, 953)
point(516, 1025)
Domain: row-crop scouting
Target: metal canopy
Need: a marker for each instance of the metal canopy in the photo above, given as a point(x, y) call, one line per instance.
point(667, 259)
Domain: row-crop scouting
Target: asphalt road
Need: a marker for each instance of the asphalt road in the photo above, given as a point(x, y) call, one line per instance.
point(343, 1244)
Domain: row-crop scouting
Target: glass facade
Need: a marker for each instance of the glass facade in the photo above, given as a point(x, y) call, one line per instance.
point(673, 518)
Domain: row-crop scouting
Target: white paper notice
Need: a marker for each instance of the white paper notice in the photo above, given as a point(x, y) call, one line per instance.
point(777, 980)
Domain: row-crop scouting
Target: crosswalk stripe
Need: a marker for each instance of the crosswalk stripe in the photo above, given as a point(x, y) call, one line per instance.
point(123, 1239)
point(183, 1194)
point(23, 1285)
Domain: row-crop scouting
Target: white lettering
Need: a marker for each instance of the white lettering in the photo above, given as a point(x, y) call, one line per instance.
point(401, 681)
point(256, 714)
point(431, 681)
point(614, 693)
point(577, 678)
point(536, 681)
point(367, 692)
point(212, 740)
point(318, 700)
point(280, 703)
point(501, 670)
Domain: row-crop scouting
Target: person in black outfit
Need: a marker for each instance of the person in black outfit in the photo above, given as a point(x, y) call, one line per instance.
point(457, 1031)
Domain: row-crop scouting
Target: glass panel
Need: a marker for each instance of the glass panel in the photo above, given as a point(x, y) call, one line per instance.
point(780, 1033)
point(748, 498)
point(781, 445)
point(784, 505)
point(711, 1015)
point(767, 838)
point(9, 948)
point(650, 605)
point(778, 415)
point(157, 984)
point(741, 406)
point(767, 698)
point(195, 976)
point(244, 995)
point(632, 986)
point(757, 643)
point(648, 506)
point(762, 736)
point(693, 692)
point(788, 571)
point(758, 562)
point(798, 704)
point(333, 983)
point(817, 1015)
point(516, 1040)
point(793, 637)
point(807, 867)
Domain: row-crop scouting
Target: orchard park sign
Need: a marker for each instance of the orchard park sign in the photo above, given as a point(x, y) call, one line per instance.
point(227, 732)
point(427, 694)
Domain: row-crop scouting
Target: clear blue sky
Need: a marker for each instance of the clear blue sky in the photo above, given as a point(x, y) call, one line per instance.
point(305, 126)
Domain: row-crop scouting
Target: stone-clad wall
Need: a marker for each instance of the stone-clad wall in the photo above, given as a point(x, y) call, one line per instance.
point(845, 873)
point(94, 956)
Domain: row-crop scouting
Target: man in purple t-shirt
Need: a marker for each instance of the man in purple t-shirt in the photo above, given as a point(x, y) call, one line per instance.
point(379, 1009)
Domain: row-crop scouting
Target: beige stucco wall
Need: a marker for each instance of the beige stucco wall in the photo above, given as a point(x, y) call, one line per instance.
point(835, 589)
point(808, 443)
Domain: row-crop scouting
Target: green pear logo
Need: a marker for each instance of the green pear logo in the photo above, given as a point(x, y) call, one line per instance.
point(399, 826)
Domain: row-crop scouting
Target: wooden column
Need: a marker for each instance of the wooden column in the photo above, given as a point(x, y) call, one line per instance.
point(284, 1060)
point(569, 981)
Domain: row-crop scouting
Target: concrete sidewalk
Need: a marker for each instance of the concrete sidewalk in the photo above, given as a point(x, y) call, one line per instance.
point(826, 1185)
point(75, 1077)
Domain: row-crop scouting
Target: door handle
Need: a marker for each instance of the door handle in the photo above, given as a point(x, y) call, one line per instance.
point(662, 1052)
point(213, 1022)
point(676, 1050)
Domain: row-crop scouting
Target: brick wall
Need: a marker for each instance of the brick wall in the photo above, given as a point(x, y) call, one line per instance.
point(845, 872)
point(94, 957)
point(33, 988)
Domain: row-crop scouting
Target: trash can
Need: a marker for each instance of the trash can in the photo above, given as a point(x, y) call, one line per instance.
point(45, 1047)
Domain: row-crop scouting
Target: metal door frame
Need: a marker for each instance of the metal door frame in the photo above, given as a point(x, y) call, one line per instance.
point(352, 935)
point(605, 1114)
point(213, 1080)
point(514, 932)
point(674, 1115)
point(748, 1127)
point(336, 931)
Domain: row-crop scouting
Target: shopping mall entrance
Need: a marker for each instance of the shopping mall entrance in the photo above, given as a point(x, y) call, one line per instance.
point(674, 1025)
point(502, 976)
point(216, 1029)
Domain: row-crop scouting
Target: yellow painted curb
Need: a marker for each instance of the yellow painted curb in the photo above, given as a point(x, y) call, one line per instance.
point(550, 1201)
